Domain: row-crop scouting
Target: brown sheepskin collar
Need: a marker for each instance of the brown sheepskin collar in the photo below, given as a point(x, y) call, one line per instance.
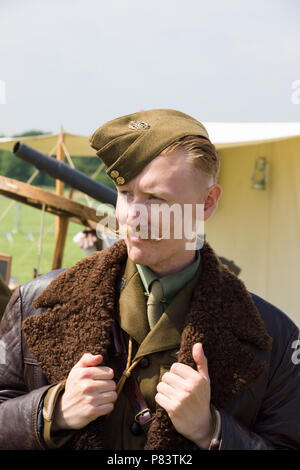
point(82, 302)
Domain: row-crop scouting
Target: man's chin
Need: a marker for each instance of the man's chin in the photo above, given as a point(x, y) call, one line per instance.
point(140, 251)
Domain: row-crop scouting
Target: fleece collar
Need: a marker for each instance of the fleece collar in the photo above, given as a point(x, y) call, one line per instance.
point(81, 304)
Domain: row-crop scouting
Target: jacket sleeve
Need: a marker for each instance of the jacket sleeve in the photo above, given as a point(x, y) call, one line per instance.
point(18, 405)
point(277, 425)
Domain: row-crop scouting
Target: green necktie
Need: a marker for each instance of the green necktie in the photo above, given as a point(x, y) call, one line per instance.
point(154, 307)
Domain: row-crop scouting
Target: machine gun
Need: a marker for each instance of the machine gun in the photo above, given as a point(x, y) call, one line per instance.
point(60, 170)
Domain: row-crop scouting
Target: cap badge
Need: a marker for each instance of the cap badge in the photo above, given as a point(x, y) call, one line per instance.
point(140, 125)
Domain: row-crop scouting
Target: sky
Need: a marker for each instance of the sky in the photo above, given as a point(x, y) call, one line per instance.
point(80, 63)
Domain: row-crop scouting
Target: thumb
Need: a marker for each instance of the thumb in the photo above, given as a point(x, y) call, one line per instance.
point(89, 360)
point(200, 359)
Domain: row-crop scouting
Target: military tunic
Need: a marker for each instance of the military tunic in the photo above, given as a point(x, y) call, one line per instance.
point(159, 346)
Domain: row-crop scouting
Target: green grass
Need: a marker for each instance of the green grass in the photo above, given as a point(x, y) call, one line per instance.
point(26, 220)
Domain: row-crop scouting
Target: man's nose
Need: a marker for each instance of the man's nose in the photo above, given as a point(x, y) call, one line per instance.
point(137, 209)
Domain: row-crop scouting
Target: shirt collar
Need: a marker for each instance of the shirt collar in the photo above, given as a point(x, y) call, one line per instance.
point(172, 283)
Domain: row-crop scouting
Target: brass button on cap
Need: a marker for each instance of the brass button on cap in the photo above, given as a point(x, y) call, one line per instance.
point(144, 363)
point(120, 180)
point(114, 174)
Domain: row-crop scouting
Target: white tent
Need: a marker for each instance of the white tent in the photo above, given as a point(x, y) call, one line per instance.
point(219, 132)
point(77, 145)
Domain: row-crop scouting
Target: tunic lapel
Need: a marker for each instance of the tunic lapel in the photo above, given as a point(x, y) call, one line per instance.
point(132, 305)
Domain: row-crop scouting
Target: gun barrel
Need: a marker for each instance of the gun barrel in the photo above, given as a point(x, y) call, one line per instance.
point(59, 170)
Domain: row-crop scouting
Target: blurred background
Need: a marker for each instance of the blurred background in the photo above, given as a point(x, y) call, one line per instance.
point(69, 66)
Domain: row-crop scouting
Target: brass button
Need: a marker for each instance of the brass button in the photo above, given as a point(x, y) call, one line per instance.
point(114, 174)
point(144, 363)
point(120, 180)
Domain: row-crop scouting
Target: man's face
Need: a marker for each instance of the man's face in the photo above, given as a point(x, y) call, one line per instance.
point(168, 180)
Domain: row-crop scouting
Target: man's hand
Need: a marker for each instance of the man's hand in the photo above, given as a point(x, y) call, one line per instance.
point(88, 240)
point(185, 394)
point(89, 392)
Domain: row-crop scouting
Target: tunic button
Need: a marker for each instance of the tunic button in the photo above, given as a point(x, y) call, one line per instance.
point(144, 363)
point(135, 428)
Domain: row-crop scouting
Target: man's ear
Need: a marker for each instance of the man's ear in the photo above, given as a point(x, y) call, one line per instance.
point(212, 196)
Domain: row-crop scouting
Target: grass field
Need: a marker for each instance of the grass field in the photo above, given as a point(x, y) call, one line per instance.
point(22, 224)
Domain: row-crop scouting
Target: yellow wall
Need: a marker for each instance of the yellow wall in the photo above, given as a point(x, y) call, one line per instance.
point(260, 230)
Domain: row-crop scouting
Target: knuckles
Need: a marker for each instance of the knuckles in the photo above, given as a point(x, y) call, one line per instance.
point(175, 366)
point(112, 384)
point(83, 373)
point(109, 373)
point(108, 397)
point(93, 412)
point(166, 376)
point(173, 409)
point(86, 386)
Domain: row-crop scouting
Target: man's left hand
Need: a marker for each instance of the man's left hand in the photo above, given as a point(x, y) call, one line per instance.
point(185, 394)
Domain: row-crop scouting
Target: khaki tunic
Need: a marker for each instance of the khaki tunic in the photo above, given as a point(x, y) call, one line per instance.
point(160, 346)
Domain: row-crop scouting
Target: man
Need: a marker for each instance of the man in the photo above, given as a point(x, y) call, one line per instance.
point(152, 343)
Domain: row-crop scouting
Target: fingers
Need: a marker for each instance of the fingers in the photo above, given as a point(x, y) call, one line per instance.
point(187, 372)
point(95, 373)
point(90, 386)
point(89, 360)
point(94, 387)
point(90, 391)
point(87, 240)
point(200, 359)
point(165, 389)
point(101, 399)
point(103, 410)
point(182, 370)
point(163, 401)
point(174, 380)
point(88, 368)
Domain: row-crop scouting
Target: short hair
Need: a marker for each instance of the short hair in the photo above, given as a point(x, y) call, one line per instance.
point(200, 152)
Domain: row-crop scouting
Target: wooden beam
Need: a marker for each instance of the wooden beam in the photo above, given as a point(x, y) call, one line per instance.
point(60, 241)
point(61, 223)
point(57, 205)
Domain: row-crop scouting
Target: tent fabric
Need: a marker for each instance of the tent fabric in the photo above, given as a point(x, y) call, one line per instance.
point(77, 145)
point(260, 229)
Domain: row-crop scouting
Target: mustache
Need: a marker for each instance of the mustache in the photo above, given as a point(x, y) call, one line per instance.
point(127, 230)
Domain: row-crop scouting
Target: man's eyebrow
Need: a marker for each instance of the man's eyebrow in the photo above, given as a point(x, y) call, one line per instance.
point(148, 191)
point(157, 192)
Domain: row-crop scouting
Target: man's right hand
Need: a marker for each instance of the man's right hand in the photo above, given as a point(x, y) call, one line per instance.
point(90, 391)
